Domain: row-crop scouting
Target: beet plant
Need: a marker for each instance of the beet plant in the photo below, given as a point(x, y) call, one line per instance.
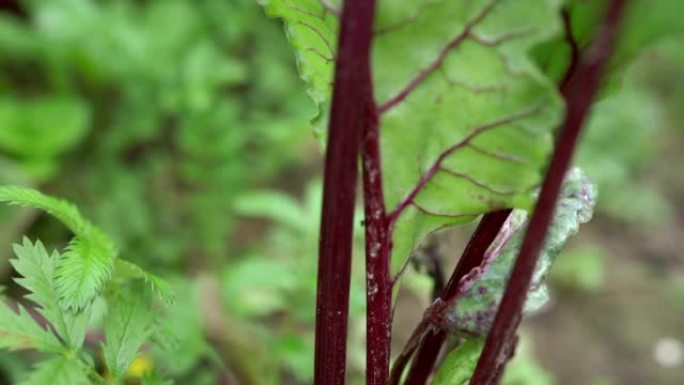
point(445, 112)
point(450, 111)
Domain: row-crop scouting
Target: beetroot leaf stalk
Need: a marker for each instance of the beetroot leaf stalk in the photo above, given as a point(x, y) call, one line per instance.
point(378, 253)
point(351, 90)
point(579, 91)
point(428, 350)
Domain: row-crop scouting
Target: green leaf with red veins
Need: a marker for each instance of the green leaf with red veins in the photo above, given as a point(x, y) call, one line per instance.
point(311, 27)
point(466, 117)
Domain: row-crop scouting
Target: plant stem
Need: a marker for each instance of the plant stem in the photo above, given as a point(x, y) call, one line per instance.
point(579, 92)
point(378, 253)
point(347, 119)
point(426, 355)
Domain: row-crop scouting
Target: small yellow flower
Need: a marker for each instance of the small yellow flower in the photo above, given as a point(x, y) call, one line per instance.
point(141, 366)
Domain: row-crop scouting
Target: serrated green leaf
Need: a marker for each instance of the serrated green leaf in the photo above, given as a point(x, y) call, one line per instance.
point(60, 370)
point(88, 260)
point(84, 269)
point(312, 31)
point(127, 326)
point(459, 364)
point(157, 284)
point(60, 209)
point(20, 331)
point(38, 271)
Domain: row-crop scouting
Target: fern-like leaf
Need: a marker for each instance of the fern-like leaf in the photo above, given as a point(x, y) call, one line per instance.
point(84, 269)
point(127, 326)
point(60, 370)
point(37, 268)
point(19, 331)
point(88, 261)
point(60, 209)
point(158, 285)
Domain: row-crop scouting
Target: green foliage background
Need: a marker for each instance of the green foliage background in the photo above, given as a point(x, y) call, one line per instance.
point(160, 119)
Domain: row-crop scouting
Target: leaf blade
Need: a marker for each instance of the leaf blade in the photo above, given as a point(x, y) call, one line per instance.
point(38, 276)
point(158, 285)
point(312, 31)
point(89, 259)
point(19, 331)
point(127, 326)
point(459, 364)
point(468, 117)
point(59, 370)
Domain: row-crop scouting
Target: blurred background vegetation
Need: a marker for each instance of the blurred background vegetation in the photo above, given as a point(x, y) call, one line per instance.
point(181, 128)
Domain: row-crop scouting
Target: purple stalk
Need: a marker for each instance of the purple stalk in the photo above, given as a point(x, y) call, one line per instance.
point(350, 92)
point(378, 253)
point(428, 350)
point(579, 91)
